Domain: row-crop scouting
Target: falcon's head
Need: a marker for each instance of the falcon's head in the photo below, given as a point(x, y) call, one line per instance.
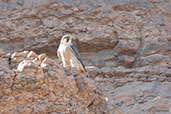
point(66, 39)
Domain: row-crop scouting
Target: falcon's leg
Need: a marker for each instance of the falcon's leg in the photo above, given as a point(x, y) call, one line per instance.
point(72, 63)
point(64, 63)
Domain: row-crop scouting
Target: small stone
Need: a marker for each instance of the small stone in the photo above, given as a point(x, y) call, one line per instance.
point(75, 9)
point(24, 64)
point(42, 56)
point(19, 54)
point(44, 62)
point(93, 71)
point(37, 62)
point(14, 55)
point(31, 54)
point(47, 61)
point(107, 72)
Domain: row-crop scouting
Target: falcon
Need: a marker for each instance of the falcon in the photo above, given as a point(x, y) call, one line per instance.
point(69, 54)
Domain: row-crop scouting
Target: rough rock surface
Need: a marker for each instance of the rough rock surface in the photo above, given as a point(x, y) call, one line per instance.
point(125, 44)
point(144, 90)
point(31, 83)
point(43, 86)
point(119, 32)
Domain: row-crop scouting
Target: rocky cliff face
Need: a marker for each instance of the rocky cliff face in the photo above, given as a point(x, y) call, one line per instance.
point(120, 32)
point(33, 84)
point(125, 45)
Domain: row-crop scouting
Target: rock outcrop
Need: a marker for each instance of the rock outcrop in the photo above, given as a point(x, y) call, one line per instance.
point(31, 83)
point(34, 84)
point(107, 33)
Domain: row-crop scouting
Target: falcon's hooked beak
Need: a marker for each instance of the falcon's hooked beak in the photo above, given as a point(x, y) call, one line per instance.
point(66, 39)
point(69, 37)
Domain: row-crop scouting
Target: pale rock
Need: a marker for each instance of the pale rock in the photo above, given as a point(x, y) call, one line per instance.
point(36, 61)
point(42, 56)
point(19, 54)
point(24, 64)
point(14, 55)
point(31, 55)
point(17, 60)
point(47, 61)
point(17, 57)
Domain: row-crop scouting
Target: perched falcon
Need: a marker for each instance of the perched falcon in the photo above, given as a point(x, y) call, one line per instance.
point(69, 54)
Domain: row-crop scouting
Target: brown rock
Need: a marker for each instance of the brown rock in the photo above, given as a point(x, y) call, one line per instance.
point(107, 72)
point(93, 71)
point(2, 52)
point(4, 64)
point(47, 61)
point(35, 88)
point(86, 89)
point(133, 34)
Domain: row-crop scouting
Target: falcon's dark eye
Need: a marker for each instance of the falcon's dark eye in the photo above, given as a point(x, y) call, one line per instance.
point(67, 39)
